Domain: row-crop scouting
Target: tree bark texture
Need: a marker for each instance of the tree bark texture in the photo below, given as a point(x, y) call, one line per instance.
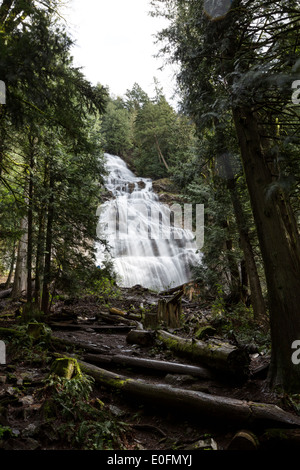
point(279, 243)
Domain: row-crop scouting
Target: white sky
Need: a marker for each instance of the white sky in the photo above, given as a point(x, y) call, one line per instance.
point(115, 44)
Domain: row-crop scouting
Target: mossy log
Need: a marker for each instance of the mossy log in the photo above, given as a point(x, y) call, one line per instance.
point(204, 331)
point(8, 332)
point(160, 367)
point(220, 356)
point(198, 404)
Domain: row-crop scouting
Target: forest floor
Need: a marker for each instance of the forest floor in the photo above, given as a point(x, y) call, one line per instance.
point(146, 426)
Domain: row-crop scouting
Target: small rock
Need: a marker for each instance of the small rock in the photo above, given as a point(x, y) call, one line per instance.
point(177, 380)
point(27, 400)
point(30, 430)
point(11, 391)
point(116, 411)
point(2, 379)
point(206, 444)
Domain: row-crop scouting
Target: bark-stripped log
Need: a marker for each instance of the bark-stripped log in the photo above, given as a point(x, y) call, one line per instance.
point(162, 367)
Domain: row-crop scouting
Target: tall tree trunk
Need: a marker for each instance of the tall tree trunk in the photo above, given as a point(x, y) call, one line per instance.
point(161, 157)
point(12, 265)
point(279, 243)
point(30, 225)
point(20, 279)
point(39, 264)
point(257, 300)
point(48, 247)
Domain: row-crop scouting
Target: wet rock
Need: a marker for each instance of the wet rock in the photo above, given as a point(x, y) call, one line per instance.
point(116, 411)
point(205, 444)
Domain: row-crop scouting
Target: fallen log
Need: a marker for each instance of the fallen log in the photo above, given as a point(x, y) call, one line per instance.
point(65, 344)
point(172, 290)
point(141, 337)
point(8, 332)
point(131, 316)
point(99, 328)
point(195, 403)
point(115, 319)
point(220, 356)
point(5, 293)
point(150, 364)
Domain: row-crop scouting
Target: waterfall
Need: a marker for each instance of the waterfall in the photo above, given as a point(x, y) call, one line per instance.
point(146, 246)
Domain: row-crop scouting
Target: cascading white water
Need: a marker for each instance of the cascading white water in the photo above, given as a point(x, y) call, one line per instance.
point(145, 247)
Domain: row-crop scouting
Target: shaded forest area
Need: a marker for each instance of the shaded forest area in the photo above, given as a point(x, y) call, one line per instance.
point(232, 144)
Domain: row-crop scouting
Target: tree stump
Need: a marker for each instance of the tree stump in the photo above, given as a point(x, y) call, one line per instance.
point(66, 367)
point(36, 331)
point(169, 311)
point(151, 320)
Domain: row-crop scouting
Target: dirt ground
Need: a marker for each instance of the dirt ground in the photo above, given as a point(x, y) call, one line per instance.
point(148, 426)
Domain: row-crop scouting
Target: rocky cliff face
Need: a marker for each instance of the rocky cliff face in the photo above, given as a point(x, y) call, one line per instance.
point(167, 191)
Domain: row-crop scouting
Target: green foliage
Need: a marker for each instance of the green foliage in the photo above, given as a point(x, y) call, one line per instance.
point(6, 432)
point(162, 138)
point(49, 139)
point(219, 304)
point(104, 289)
point(33, 351)
point(80, 421)
point(117, 128)
point(238, 323)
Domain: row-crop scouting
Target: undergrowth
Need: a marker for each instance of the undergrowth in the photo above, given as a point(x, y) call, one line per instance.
point(239, 323)
point(81, 422)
